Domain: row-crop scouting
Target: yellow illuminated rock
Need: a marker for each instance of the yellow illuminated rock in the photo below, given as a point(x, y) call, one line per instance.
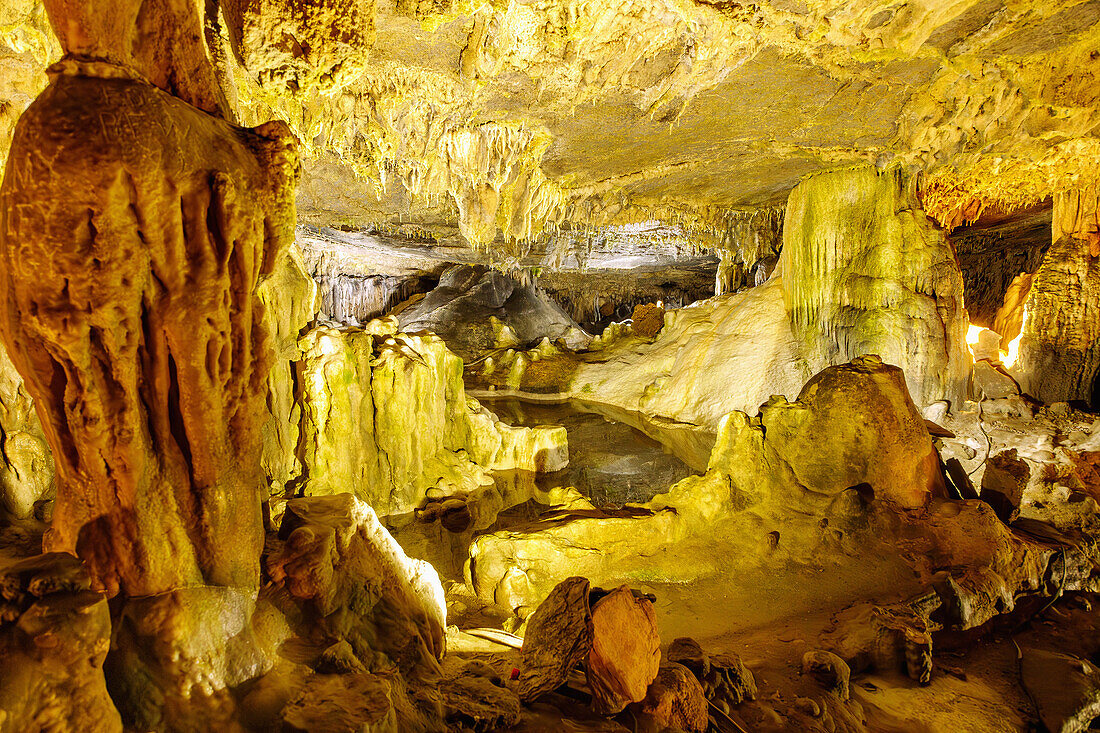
point(760, 292)
point(387, 418)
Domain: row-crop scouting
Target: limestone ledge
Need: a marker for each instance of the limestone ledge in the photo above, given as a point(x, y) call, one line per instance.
point(386, 416)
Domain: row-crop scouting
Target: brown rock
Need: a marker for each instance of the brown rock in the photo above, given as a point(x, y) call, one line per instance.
point(558, 639)
point(960, 479)
point(1057, 360)
point(729, 680)
point(854, 423)
point(626, 651)
point(1003, 484)
point(475, 699)
point(676, 699)
point(347, 703)
point(174, 328)
point(687, 652)
point(53, 650)
point(829, 669)
point(648, 320)
point(1066, 690)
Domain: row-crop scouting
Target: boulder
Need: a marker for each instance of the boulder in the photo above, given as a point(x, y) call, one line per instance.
point(558, 639)
point(626, 651)
point(851, 424)
point(686, 651)
point(475, 309)
point(1066, 690)
point(474, 698)
point(729, 680)
point(829, 669)
point(355, 582)
point(54, 636)
point(1004, 482)
point(991, 382)
point(647, 320)
point(676, 699)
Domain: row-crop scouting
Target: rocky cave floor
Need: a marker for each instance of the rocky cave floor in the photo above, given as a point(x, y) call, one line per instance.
point(957, 614)
point(1006, 674)
point(669, 576)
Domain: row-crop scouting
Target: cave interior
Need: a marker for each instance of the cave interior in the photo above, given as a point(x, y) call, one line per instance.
point(698, 366)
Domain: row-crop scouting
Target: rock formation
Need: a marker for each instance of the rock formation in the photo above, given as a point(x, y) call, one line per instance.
point(400, 399)
point(1059, 356)
point(864, 271)
point(152, 397)
point(131, 310)
point(245, 483)
point(28, 469)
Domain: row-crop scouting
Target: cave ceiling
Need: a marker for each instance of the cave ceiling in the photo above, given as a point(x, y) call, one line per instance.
point(508, 119)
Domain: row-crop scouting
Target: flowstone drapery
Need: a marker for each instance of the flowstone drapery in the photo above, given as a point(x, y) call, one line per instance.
point(131, 311)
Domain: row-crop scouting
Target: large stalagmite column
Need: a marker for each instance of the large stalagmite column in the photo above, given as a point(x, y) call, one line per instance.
point(1060, 347)
point(134, 230)
point(864, 271)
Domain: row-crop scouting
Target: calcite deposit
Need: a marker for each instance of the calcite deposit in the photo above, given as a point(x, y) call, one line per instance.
point(386, 417)
point(425, 366)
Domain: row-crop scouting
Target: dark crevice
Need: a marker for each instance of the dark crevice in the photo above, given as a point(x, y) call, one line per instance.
point(175, 416)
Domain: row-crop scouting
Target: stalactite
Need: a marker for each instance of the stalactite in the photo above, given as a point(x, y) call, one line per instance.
point(864, 271)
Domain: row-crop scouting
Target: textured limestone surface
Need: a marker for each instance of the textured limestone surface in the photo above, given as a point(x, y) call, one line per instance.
point(54, 636)
point(496, 120)
point(133, 315)
point(387, 418)
point(727, 353)
point(1060, 347)
point(291, 301)
point(476, 310)
point(862, 271)
point(847, 479)
point(502, 118)
point(27, 471)
point(358, 584)
point(626, 650)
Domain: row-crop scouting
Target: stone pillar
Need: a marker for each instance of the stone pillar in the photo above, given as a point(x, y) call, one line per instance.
point(865, 271)
point(136, 225)
point(1060, 346)
point(135, 230)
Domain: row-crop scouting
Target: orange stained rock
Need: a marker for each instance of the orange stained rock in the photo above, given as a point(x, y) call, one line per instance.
point(134, 229)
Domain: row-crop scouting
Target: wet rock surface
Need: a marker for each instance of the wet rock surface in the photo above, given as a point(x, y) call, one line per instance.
point(476, 310)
